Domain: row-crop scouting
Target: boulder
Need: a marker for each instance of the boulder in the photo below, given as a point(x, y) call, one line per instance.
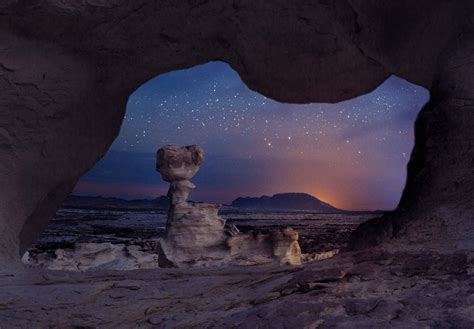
point(176, 163)
point(286, 247)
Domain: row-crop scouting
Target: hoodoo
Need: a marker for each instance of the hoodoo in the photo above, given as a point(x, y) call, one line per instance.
point(196, 235)
point(194, 231)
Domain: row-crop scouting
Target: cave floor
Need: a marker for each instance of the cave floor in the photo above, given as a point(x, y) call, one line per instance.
point(369, 289)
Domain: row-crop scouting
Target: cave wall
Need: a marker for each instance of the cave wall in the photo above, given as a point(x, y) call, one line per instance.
point(436, 211)
point(68, 67)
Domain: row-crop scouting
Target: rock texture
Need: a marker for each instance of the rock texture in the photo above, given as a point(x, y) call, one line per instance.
point(436, 208)
point(286, 247)
point(95, 256)
point(255, 248)
point(194, 231)
point(177, 164)
point(372, 289)
point(67, 68)
point(196, 235)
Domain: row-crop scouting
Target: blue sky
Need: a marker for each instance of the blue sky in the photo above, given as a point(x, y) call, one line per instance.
point(352, 154)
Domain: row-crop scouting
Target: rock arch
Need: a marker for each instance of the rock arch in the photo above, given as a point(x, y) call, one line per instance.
point(67, 68)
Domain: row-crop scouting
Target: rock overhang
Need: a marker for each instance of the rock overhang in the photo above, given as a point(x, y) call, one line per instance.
point(298, 52)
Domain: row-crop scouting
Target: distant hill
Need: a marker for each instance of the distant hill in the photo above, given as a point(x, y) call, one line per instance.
point(98, 202)
point(279, 202)
point(285, 201)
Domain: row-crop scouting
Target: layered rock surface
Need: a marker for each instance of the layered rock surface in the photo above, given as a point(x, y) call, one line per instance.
point(196, 235)
point(95, 256)
point(194, 231)
point(66, 238)
point(372, 289)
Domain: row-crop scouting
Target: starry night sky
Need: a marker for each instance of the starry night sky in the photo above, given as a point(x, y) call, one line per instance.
point(351, 154)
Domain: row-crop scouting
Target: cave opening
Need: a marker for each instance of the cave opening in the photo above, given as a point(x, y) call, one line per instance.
point(67, 69)
point(351, 155)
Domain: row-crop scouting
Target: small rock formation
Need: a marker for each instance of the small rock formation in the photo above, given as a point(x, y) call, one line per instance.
point(251, 248)
point(94, 256)
point(286, 247)
point(196, 235)
point(258, 248)
point(177, 165)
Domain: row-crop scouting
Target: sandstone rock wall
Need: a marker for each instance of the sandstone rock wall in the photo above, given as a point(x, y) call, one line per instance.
point(436, 208)
point(68, 67)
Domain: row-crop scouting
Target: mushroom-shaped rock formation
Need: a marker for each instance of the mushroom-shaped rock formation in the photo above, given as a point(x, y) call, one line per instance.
point(196, 235)
point(176, 163)
point(194, 231)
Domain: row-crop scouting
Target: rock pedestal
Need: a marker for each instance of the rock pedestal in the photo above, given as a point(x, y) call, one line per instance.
point(196, 235)
point(194, 231)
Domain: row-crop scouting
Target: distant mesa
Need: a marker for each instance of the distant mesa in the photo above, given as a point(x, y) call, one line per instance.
point(277, 202)
point(285, 201)
point(99, 202)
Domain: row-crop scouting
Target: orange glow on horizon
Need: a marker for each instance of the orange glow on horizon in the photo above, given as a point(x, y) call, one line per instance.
point(148, 191)
point(331, 199)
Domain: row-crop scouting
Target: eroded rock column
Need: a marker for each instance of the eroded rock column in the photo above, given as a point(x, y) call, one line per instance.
point(194, 231)
point(196, 235)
